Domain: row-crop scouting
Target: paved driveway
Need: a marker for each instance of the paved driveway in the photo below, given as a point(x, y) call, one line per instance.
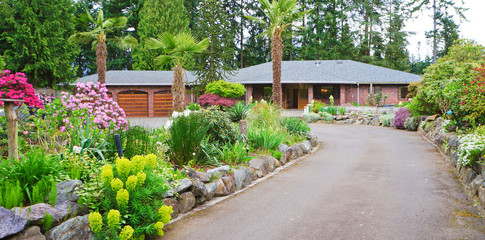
point(363, 183)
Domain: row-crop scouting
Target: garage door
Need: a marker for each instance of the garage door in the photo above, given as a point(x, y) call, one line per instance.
point(135, 103)
point(163, 103)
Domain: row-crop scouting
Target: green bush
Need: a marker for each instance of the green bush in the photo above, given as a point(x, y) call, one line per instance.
point(387, 120)
point(225, 89)
point(265, 138)
point(316, 106)
point(186, 136)
point(327, 117)
point(331, 110)
point(236, 153)
point(342, 110)
point(136, 141)
point(295, 126)
point(194, 107)
point(238, 111)
point(11, 195)
point(220, 130)
point(311, 117)
point(264, 114)
point(412, 123)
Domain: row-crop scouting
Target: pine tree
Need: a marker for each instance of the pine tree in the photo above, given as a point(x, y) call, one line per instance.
point(396, 55)
point(34, 37)
point(256, 48)
point(156, 18)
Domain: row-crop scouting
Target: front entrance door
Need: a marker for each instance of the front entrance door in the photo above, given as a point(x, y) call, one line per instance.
point(295, 98)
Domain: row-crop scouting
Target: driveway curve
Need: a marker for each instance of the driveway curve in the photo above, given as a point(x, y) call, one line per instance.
point(363, 183)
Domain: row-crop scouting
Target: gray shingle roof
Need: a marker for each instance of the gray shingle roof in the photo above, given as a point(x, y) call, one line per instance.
point(324, 71)
point(319, 71)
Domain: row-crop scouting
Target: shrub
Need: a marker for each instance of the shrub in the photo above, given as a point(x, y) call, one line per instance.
point(194, 107)
point(332, 110)
point(327, 117)
point(401, 115)
point(342, 110)
point(471, 148)
point(315, 106)
point(412, 123)
point(221, 130)
point(295, 126)
point(473, 98)
point(387, 120)
point(238, 112)
point(311, 117)
point(264, 114)
point(236, 153)
point(210, 99)
point(225, 89)
point(136, 211)
point(186, 136)
point(136, 141)
point(265, 138)
point(15, 86)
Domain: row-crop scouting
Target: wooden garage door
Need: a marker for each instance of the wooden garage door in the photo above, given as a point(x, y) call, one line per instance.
point(163, 103)
point(135, 103)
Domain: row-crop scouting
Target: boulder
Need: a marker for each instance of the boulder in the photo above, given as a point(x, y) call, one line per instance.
point(431, 118)
point(349, 121)
point(283, 148)
point(174, 203)
point(10, 223)
point(198, 188)
point(272, 163)
point(192, 174)
point(286, 156)
point(203, 177)
point(243, 177)
point(211, 189)
point(220, 188)
point(481, 195)
point(229, 183)
point(73, 229)
point(298, 150)
point(66, 191)
point(183, 185)
point(476, 183)
point(219, 172)
point(313, 138)
point(307, 146)
point(260, 166)
point(186, 202)
point(467, 174)
point(31, 233)
point(35, 213)
point(67, 209)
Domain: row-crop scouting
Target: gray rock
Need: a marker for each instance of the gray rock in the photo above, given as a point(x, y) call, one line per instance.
point(174, 203)
point(35, 213)
point(313, 138)
point(298, 150)
point(211, 190)
point(66, 191)
point(229, 183)
point(283, 148)
point(31, 233)
point(349, 121)
point(186, 202)
point(307, 146)
point(198, 188)
point(476, 183)
point(467, 174)
point(481, 195)
point(218, 172)
point(432, 117)
point(243, 177)
point(286, 156)
point(67, 209)
point(169, 193)
point(73, 229)
point(272, 163)
point(184, 184)
point(192, 174)
point(260, 166)
point(10, 223)
point(221, 189)
point(203, 177)
point(365, 121)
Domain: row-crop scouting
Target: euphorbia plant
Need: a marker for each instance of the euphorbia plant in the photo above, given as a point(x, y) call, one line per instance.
point(15, 86)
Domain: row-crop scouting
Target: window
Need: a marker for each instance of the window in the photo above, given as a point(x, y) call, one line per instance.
point(376, 89)
point(403, 92)
point(303, 93)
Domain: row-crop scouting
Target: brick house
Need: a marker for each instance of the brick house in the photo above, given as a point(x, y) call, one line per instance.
point(148, 94)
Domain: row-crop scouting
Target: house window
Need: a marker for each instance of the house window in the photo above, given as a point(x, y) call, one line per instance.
point(403, 92)
point(303, 93)
point(376, 89)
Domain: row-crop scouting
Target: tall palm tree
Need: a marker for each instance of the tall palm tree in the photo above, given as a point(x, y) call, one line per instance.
point(100, 27)
point(178, 51)
point(281, 15)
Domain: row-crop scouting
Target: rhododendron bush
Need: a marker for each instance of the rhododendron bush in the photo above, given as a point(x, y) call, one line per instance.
point(15, 86)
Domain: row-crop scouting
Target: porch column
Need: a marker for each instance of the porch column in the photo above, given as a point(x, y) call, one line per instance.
point(151, 103)
point(342, 94)
point(249, 93)
point(310, 94)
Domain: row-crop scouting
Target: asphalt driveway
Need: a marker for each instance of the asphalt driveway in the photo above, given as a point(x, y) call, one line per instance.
point(363, 183)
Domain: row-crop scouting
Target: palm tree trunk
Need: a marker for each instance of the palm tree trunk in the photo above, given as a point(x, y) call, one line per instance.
point(276, 55)
point(178, 89)
point(101, 52)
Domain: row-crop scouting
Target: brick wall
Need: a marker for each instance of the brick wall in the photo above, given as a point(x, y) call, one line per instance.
point(351, 93)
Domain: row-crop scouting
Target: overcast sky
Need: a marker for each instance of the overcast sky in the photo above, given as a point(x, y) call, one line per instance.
point(473, 29)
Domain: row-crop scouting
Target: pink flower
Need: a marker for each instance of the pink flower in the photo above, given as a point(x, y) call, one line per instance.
point(62, 129)
point(26, 132)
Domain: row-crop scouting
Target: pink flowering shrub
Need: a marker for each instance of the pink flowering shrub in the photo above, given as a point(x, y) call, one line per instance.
point(210, 99)
point(401, 115)
point(45, 99)
point(99, 105)
point(15, 86)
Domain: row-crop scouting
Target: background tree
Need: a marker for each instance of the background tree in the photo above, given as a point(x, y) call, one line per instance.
point(281, 16)
point(214, 21)
point(33, 40)
point(98, 37)
point(396, 55)
point(178, 51)
point(156, 18)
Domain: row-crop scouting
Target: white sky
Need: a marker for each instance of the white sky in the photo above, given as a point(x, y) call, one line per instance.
point(473, 29)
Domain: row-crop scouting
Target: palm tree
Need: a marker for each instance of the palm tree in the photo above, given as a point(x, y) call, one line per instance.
point(100, 27)
point(280, 14)
point(178, 51)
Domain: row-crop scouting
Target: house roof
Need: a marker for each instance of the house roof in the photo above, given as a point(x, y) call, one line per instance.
point(137, 78)
point(312, 72)
point(324, 71)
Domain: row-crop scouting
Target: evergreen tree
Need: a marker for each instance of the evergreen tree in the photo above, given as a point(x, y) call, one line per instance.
point(34, 37)
point(214, 22)
point(156, 18)
point(255, 48)
point(396, 55)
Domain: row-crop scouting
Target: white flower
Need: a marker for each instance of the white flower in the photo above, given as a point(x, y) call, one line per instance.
point(193, 154)
point(187, 113)
point(168, 124)
point(76, 149)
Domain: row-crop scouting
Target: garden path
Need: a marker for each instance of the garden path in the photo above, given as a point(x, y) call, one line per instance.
point(363, 183)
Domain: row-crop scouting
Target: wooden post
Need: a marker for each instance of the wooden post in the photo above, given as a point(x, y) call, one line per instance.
point(12, 124)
